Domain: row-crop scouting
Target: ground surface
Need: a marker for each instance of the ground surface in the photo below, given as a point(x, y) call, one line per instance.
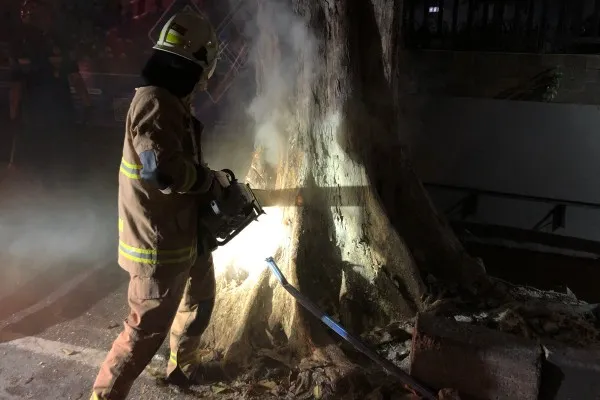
point(64, 323)
point(56, 327)
point(57, 324)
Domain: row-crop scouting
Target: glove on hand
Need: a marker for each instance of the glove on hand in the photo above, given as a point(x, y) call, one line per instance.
point(216, 190)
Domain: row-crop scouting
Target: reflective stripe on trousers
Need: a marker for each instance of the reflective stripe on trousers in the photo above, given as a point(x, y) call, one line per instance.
point(181, 302)
point(153, 256)
point(186, 362)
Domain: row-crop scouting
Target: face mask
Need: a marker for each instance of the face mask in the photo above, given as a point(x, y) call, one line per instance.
point(201, 85)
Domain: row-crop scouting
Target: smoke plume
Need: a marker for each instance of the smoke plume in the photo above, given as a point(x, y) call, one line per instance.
point(282, 54)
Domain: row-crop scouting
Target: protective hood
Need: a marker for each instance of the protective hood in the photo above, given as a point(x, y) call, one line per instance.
point(173, 73)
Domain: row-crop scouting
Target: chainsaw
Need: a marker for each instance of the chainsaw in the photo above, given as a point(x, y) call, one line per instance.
point(225, 217)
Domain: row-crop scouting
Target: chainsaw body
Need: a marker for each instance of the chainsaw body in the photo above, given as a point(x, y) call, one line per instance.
point(225, 217)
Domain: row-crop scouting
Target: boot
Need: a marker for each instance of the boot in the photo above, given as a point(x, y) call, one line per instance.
point(206, 373)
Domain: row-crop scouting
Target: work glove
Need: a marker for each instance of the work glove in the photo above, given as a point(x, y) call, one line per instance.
point(216, 190)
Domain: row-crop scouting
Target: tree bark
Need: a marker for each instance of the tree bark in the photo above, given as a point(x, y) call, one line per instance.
point(363, 231)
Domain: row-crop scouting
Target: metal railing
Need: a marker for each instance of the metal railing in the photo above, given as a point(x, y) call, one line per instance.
point(469, 204)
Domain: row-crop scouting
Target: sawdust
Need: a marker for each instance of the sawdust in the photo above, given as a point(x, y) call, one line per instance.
point(274, 374)
point(523, 311)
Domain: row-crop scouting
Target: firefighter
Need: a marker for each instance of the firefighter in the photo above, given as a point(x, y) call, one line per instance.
point(43, 69)
point(162, 183)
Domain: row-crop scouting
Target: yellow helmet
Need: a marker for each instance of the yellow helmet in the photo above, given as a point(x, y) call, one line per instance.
point(191, 36)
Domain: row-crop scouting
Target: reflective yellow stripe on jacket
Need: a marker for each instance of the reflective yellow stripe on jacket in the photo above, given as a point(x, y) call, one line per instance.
point(130, 170)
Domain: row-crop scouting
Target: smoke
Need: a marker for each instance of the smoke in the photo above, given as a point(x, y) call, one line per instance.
point(282, 55)
point(41, 228)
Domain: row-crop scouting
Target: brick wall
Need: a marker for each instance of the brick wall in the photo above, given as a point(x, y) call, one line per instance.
point(498, 75)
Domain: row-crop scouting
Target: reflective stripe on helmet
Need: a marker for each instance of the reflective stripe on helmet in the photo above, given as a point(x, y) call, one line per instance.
point(174, 39)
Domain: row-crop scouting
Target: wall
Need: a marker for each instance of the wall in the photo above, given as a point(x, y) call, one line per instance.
point(539, 149)
point(473, 74)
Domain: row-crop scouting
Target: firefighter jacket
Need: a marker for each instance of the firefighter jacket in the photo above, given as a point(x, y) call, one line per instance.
point(162, 181)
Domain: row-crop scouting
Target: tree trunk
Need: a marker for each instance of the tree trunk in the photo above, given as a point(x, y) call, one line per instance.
point(363, 230)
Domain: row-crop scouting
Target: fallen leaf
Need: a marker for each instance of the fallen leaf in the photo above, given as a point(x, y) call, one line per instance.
point(216, 389)
point(268, 384)
point(317, 392)
point(69, 352)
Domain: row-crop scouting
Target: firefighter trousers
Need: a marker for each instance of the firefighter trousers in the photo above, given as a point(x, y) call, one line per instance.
point(181, 302)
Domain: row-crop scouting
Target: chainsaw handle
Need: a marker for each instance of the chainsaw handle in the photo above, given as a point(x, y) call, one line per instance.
point(230, 175)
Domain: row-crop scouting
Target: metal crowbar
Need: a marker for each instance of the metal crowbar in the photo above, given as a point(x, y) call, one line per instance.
point(388, 366)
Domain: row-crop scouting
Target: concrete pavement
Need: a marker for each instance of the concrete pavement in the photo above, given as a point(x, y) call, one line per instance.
point(58, 331)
